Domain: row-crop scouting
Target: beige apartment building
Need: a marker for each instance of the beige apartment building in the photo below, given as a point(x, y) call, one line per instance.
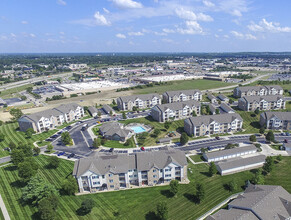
point(276, 120)
point(182, 95)
point(251, 103)
point(257, 91)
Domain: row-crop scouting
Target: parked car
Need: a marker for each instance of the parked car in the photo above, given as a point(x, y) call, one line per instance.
point(61, 153)
point(217, 138)
point(285, 141)
point(71, 155)
point(48, 139)
point(7, 148)
point(142, 148)
point(111, 149)
point(287, 134)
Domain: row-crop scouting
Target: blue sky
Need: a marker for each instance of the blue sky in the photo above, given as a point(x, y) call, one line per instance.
point(144, 25)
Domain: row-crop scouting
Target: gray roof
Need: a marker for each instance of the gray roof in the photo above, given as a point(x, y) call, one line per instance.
point(65, 108)
point(142, 97)
point(92, 110)
point(212, 107)
point(207, 119)
point(268, 202)
point(121, 163)
point(258, 88)
point(178, 105)
point(179, 92)
point(228, 152)
point(233, 214)
point(118, 131)
point(274, 87)
point(239, 162)
point(226, 107)
point(269, 98)
point(280, 115)
point(107, 108)
point(108, 126)
point(222, 97)
point(210, 96)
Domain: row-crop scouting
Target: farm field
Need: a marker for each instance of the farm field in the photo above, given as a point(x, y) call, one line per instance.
point(201, 84)
point(13, 135)
point(135, 203)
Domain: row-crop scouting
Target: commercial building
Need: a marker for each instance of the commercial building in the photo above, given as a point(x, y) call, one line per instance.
point(251, 103)
point(49, 119)
point(213, 124)
point(115, 131)
point(182, 95)
point(258, 202)
point(229, 153)
point(120, 171)
point(240, 164)
point(276, 120)
point(257, 91)
point(126, 103)
point(175, 111)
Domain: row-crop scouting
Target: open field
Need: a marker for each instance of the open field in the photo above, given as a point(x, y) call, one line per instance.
point(201, 84)
point(8, 92)
point(135, 203)
point(13, 135)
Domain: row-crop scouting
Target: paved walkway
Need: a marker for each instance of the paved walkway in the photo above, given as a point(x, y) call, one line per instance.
point(3, 209)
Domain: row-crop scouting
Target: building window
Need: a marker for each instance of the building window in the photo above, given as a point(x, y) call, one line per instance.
point(168, 169)
point(110, 181)
point(168, 175)
point(94, 183)
point(95, 177)
point(110, 175)
point(154, 170)
point(155, 181)
point(155, 176)
point(103, 176)
point(111, 186)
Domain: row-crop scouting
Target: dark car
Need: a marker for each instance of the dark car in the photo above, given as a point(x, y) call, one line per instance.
point(111, 149)
point(48, 139)
point(217, 138)
point(285, 141)
point(71, 155)
point(54, 136)
point(61, 153)
point(287, 134)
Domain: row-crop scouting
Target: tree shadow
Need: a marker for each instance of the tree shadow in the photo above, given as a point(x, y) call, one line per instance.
point(151, 216)
point(255, 124)
point(206, 174)
point(18, 184)
point(10, 168)
point(167, 193)
point(81, 212)
point(36, 216)
point(226, 187)
point(191, 197)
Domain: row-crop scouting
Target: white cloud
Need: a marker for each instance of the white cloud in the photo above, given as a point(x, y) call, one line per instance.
point(168, 31)
point(124, 4)
point(122, 36)
point(204, 17)
point(216, 35)
point(24, 22)
point(61, 2)
point(32, 35)
point(208, 3)
point(190, 15)
point(192, 27)
point(106, 10)
point(62, 33)
point(135, 33)
point(100, 19)
point(160, 33)
point(12, 35)
point(265, 26)
point(168, 40)
point(233, 7)
point(243, 36)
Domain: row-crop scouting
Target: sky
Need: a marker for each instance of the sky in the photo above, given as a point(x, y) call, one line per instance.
point(49, 26)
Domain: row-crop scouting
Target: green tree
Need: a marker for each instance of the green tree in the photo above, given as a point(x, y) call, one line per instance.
point(184, 138)
point(162, 211)
point(17, 156)
point(37, 189)
point(269, 164)
point(167, 125)
point(157, 132)
point(1, 122)
point(99, 114)
point(47, 207)
point(70, 186)
point(230, 101)
point(253, 138)
point(2, 137)
point(212, 169)
point(203, 150)
point(217, 111)
point(134, 108)
point(26, 148)
point(257, 111)
point(53, 162)
point(113, 102)
point(232, 186)
point(279, 157)
point(86, 206)
point(23, 97)
point(124, 115)
point(49, 147)
point(66, 138)
point(194, 114)
point(200, 192)
point(96, 143)
point(16, 113)
point(270, 136)
point(12, 145)
point(36, 150)
point(127, 142)
point(174, 187)
point(29, 132)
point(258, 178)
point(27, 169)
point(262, 130)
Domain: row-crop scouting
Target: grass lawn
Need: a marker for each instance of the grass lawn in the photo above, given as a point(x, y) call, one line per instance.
point(1, 215)
point(276, 146)
point(135, 203)
point(8, 92)
point(183, 85)
point(250, 122)
point(13, 135)
point(117, 144)
point(197, 158)
point(150, 139)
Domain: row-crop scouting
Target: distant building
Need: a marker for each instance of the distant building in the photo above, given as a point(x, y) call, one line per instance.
point(257, 91)
point(120, 171)
point(51, 118)
point(258, 202)
point(78, 66)
point(126, 103)
point(182, 95)
point(276, 120)
point(175, 111)
point(251, 103)
point(213, 124)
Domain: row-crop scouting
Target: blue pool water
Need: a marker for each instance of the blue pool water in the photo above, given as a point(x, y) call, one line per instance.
point(138, 129)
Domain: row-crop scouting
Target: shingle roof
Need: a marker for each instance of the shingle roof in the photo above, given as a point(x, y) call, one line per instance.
point(269, 98)
point(228, 152)
point(178, 105)
point(92, 110)
point(233, 214)
point(268, 202)
point(226, 107)
point(179, 92)
point(210, 96)
point(258, 88)
point(108, 126)
point(142, 97)
point(222, 97)
point(107, 108)
point(207, 119)
point(280, 115)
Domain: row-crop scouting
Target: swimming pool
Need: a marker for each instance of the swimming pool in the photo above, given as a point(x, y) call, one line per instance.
point(138, 129)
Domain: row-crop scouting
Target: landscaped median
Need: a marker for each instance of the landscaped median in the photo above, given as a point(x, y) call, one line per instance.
point(135, 203)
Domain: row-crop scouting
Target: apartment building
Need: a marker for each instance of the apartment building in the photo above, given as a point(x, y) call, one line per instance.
point(126, 103)
point(251, 103)
point(212, 98)
point(120, 171)
point(175, 111)
point(51, 118)
point(213, 124)
point(276, 120)
point(182, 95)
point(257, 91)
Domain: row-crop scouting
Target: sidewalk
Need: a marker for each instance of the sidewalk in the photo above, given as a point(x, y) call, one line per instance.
point(3, 209)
